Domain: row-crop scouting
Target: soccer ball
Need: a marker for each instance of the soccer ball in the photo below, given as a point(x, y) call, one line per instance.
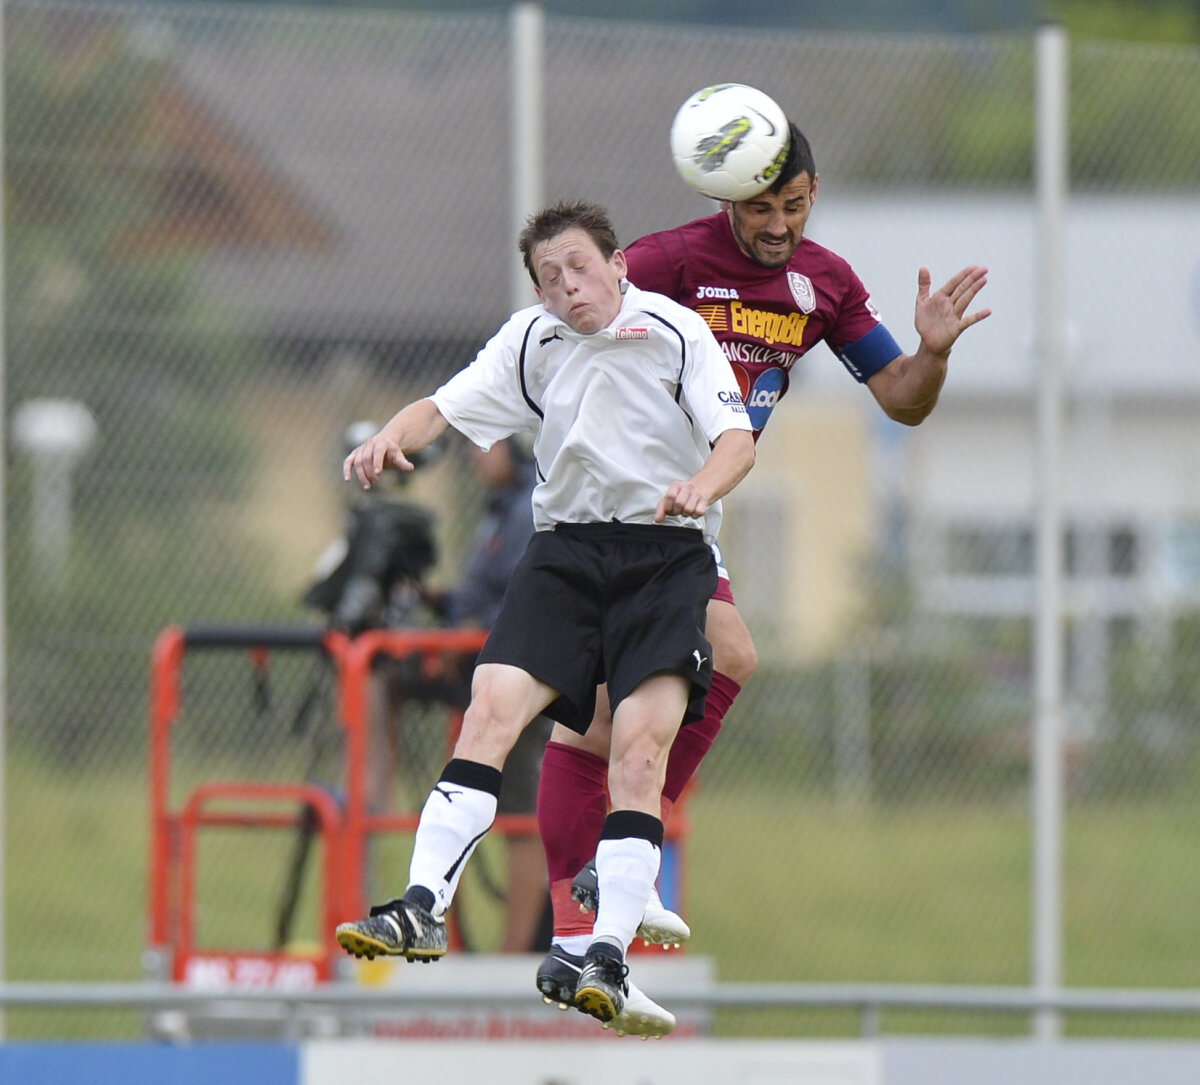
point(729, 141)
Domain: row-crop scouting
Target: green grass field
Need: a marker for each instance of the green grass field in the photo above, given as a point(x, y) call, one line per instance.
point(779, 888)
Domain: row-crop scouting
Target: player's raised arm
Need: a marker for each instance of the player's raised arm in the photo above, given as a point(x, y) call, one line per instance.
point(411, 429)
point(908, 388)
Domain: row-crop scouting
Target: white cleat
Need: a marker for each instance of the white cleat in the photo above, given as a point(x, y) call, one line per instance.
point(659, 926)
point(662, 927)
point(642, 1016)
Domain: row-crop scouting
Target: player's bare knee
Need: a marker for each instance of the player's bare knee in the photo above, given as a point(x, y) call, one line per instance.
point(737, 659)
point(734, 654)
point(488, 731)
point(635, 776)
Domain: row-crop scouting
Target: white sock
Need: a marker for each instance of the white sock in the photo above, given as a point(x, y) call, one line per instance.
point(573, 943)
point(453, 821)
point(625, 869)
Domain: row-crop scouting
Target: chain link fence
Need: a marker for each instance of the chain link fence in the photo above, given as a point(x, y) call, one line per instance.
point(232, 232)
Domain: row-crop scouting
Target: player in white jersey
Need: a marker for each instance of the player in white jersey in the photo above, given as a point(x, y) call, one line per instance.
point(638, 430)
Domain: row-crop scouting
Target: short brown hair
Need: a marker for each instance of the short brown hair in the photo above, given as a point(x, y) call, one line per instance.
point(565, 215)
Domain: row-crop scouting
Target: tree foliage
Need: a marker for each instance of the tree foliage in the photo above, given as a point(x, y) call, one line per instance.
point(125, 330)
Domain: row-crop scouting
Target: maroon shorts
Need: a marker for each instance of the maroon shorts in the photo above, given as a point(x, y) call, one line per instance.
point(724, 592)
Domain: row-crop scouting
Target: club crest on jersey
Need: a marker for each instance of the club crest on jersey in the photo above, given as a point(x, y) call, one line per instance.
point(633, 333)
point(802, 291)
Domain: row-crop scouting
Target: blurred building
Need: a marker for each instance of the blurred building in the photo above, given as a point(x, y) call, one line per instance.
point(346, 181)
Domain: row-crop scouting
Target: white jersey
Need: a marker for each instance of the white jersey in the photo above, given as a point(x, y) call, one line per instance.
point(616, 416)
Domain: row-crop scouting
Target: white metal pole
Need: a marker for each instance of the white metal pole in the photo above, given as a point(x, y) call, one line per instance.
point(1051, 174)
point(528, 34)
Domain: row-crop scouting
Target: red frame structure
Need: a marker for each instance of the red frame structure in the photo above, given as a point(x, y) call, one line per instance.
point(345, 830)
point(431, 647)
point(173, 830)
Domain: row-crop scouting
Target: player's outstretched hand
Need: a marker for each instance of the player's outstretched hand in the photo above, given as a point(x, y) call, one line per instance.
point(681, 499)
point(940, 316)
point(368, 461)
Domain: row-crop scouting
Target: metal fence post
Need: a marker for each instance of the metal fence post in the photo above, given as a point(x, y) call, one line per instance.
point(1050, 171)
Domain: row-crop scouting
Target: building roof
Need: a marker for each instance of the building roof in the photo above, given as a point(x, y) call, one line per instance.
point(382, 133)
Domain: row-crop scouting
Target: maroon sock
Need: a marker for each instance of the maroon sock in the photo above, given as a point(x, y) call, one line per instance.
point(696, 739)
point(572, 806)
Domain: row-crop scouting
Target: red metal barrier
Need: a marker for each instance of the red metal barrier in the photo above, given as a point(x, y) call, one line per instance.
point(172, 860)
point(258, 809)
point(345, 830)
point(431, 647)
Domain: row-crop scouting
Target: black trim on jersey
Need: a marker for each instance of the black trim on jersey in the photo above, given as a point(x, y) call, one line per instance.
point(550, 338)
point(682, 351)
point(521, 371)
point(682, 360)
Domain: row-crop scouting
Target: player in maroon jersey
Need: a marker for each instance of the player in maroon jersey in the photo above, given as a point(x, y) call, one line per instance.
point(769, 295)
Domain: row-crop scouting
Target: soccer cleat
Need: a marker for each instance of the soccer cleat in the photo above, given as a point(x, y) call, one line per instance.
point(641, 1015)
point(659, 926)
point(602, 987)
point(558, 976)
point(396, 929)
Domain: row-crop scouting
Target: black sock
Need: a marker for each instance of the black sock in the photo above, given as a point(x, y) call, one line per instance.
point(420, 896)
point(606, 949)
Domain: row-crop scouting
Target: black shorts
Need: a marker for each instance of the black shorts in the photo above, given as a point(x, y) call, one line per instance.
point(615, 603)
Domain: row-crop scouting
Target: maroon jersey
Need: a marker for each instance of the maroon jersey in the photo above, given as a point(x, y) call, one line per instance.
point(764, 318)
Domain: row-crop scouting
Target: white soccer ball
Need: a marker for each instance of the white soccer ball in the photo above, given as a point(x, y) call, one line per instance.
point(729, 141)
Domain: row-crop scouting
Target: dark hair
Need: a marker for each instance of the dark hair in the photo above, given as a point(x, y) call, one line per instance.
point(799, 160)
point(564, 215)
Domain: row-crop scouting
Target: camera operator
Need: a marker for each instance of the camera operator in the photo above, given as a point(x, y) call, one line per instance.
point(370, 577)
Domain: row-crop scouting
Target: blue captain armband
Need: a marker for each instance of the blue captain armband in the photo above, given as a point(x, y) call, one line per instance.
point(867, 356)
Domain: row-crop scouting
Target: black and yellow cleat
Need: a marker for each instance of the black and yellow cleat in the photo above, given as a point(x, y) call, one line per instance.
point(396, 929)
point(602, 987)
